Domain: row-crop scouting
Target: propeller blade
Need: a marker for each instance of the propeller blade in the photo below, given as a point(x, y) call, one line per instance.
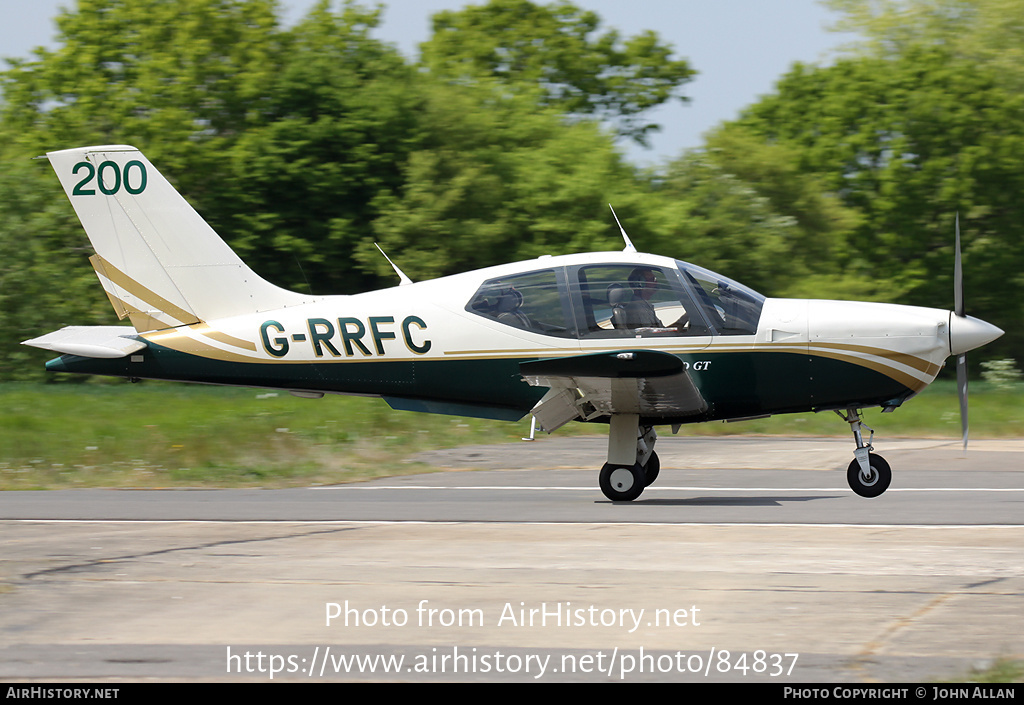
point(958, 309)
point(961, 392)
point(958, 275)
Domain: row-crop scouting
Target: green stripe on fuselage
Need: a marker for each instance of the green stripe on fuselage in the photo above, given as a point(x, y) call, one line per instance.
point(494, 383)
point(735, 384)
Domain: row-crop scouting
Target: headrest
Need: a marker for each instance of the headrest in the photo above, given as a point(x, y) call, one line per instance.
point(619, 294)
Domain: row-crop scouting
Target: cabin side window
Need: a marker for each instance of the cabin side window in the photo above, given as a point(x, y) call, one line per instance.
point(631, 301)
point(532, 302)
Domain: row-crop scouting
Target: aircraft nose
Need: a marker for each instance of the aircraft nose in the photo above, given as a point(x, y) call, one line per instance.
point(967, 333)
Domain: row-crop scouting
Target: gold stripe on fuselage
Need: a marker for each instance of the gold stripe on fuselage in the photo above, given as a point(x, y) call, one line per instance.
point(929, 368)
point(177, 340)
point(221, 337)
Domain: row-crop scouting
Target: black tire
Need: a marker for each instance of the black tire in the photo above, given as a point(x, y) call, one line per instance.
point(652, 469)
point(879, 481)
point(622, 483)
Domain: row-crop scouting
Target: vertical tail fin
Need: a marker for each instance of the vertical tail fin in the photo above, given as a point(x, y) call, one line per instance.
point(160, 263)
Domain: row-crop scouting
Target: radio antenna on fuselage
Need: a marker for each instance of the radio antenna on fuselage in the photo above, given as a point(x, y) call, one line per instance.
point(629, 245)
point(403, 280)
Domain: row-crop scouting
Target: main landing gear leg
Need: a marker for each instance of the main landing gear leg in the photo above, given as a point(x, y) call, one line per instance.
point(645, 454)
point(869, 475)
point(632, 463)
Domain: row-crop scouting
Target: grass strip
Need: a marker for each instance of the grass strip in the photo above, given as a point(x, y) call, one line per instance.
point(173, 435)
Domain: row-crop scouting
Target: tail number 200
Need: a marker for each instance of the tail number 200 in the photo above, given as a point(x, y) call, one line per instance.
point(110, 178)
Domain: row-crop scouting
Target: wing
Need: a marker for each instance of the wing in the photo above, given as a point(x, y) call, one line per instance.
point(646, 382)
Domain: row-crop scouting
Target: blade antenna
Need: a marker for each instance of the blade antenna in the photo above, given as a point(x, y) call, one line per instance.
point(961, 360)
point(629, 244)
point(403, 280)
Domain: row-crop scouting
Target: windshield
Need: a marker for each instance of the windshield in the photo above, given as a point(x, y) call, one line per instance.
point(733, 309)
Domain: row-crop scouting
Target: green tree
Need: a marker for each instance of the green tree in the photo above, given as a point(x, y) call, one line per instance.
point(981, 31)
point(712, 218)
point(171, 76)
point(43, 285)
point(497, 179)
point(560, 48)
point(338, 122)
point(744, 205)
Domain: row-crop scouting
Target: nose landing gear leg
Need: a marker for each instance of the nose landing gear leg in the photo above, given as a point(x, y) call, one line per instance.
point(868, 475)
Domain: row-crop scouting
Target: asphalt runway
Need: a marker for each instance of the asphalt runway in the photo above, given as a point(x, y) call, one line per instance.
point(749, 560)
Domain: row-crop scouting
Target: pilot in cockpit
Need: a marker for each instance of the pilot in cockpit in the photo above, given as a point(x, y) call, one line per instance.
point(631, 306)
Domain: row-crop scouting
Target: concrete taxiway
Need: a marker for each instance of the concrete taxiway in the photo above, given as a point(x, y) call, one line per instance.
point(750, 559)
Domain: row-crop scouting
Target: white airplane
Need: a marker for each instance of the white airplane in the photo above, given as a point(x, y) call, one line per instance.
point(628, 339)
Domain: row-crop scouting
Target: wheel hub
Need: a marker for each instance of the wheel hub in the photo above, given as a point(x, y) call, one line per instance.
point(622, 479)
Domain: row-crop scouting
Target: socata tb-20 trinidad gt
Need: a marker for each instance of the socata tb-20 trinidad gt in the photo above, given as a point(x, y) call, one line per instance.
point(629, 339)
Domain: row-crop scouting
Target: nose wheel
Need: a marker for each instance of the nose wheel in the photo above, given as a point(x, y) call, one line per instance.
point(874, 482)
point(868, 474)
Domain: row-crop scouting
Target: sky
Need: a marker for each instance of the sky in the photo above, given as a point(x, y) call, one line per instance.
point(739, 48)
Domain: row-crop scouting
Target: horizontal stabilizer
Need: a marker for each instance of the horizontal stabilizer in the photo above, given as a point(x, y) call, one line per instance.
point(91, 341)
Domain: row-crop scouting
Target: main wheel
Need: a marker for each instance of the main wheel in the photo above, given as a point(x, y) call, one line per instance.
point(652, 468)
point(873, 485)
point(622, 483)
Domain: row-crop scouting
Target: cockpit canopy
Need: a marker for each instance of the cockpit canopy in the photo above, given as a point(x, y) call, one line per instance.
point(620, 300)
